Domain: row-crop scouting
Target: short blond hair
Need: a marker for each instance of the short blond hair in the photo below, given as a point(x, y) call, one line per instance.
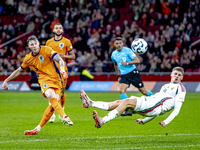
point(178, 69)
point(32, 38)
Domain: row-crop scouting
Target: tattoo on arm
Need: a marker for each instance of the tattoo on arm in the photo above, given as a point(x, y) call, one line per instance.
point(58, 59)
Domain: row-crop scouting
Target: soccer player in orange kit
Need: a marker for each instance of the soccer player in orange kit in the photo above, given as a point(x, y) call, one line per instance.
point(42, 59)
point(64, 48)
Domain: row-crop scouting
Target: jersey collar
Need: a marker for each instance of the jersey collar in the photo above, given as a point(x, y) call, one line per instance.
point(59, 39)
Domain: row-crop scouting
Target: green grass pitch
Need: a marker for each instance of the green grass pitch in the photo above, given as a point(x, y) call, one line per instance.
point(20, 111)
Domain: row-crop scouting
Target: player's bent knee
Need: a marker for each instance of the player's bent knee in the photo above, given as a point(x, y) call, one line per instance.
point(50, 93)
point(126, 101)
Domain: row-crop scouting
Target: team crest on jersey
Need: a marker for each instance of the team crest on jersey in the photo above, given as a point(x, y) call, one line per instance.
point(124, 59)
point(45, 86)
point(41, 58)
point(172, 88)
point(61, 45)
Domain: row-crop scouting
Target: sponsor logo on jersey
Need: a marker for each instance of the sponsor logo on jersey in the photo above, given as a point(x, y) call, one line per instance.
point(61, 45)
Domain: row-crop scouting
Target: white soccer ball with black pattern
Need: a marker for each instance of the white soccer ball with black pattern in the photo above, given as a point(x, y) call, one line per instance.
point(139, 46)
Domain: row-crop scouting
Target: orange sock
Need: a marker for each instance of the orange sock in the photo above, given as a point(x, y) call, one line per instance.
point(46, 116)
point(62, 101)
point(57, 107)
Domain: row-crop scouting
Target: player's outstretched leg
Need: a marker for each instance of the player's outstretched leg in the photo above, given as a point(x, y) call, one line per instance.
point(31, 132)
point(98, 120)
point(87, 102)
point(52, 119)
point(66, 121)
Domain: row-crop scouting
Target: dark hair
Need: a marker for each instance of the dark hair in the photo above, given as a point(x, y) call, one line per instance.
point(178, 69)
point(31, 38)
point(57, 24)
point(118, 38)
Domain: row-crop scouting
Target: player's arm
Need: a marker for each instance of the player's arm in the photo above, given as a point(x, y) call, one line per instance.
point(179, 99)
point(134, 61)
point(133, 56)
point(14, 75)
point(145, 120)
point(58, 59)
point(70, 55)
point(174, 113)
point(117, 70)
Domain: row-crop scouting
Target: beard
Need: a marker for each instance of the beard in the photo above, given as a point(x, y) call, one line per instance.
point(58, 34)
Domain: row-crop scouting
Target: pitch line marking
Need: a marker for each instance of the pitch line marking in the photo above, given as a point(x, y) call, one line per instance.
point(106, 137)
point(154, 147)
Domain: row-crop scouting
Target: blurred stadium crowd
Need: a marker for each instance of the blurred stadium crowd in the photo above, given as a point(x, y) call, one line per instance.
point(169, 27)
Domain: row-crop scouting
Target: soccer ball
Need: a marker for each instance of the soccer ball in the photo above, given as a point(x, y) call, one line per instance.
point(139, 46)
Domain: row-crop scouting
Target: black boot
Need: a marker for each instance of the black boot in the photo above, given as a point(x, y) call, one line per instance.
point(128, 112)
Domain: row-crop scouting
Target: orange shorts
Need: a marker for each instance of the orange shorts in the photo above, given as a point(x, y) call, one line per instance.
point(55, 84)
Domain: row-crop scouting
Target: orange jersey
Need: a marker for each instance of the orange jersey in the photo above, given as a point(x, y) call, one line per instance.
point(43, 64)
point(60, 46)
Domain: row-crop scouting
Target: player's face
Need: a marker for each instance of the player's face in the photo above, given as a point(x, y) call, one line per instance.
point(118, 45)
point(176, 76)
point(34, 46)
point(58, 30)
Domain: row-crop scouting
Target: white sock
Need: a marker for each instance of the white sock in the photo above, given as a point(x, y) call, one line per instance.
point(38, 128)
point(100, 105)
point(53, 115)
point(111, 115)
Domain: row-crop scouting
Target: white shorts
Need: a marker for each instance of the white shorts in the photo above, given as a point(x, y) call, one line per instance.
point(150, 106)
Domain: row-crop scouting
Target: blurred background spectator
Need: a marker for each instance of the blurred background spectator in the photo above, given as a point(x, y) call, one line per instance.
point(169, 27)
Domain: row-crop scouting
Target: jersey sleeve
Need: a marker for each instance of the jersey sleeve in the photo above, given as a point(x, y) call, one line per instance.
point(147, 119)
point(50, 52)
point(69, 45)
point(131, 54)
point(47, 43)
point(180, 97)
point(24, 64)
point(174, 113)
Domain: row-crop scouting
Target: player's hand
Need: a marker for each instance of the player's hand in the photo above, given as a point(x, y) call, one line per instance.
point(123, 63)
point(139, 121)
point(162, 124)
point(5, 86)
point(62, 55)
point(64, 73)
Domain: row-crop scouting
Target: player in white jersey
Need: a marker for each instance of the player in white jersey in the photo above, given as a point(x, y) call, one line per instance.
point(171, 96)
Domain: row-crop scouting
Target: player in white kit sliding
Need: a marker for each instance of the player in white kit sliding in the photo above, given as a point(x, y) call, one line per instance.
point(170, 96)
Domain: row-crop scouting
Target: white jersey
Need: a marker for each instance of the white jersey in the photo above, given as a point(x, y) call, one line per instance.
point(176, 92)
point(170, 96)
